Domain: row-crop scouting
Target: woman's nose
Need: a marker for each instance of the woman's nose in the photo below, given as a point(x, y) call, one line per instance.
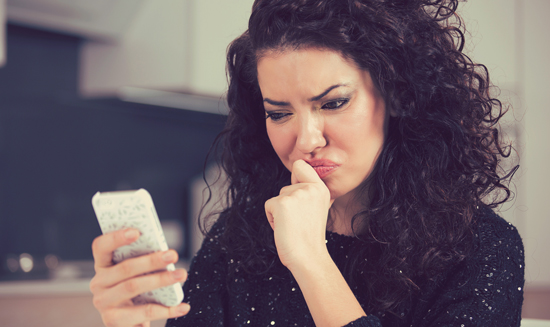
point(310, 134)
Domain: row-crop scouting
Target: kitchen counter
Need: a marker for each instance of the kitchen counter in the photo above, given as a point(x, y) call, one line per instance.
point(51, 303)
point(63, 301)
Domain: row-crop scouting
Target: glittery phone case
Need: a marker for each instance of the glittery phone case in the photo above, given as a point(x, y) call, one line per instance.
point(124, 209)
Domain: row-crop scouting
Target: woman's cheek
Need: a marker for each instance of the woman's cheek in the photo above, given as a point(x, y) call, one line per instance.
point(281, 143)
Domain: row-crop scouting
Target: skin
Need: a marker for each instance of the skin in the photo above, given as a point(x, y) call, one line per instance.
point(319, 106)
point(346, 126)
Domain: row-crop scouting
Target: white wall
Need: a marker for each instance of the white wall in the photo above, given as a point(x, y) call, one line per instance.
point(536, 90)
point(216, 23)
point(511, 38)
point(152, 54)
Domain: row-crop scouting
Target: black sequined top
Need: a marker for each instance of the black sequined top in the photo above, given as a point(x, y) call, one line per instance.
point(486, 289)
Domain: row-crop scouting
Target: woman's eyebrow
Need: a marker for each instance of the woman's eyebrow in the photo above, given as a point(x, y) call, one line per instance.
point(320, 96)
point(312, 99)
point(277, 103)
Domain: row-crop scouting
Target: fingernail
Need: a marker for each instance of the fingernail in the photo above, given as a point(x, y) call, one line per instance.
point(131, 234)
point(178, 274)
point(169, 256)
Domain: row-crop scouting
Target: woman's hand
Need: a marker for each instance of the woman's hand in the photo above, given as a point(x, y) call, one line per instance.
point(113, 286)
point(299, 215)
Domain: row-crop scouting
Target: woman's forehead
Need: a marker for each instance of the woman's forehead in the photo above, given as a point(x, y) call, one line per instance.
point(307, 65)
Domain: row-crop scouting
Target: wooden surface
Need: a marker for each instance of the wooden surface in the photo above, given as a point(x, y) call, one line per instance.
point(51, 311)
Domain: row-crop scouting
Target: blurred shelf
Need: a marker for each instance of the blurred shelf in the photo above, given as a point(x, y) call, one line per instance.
point(45, 287)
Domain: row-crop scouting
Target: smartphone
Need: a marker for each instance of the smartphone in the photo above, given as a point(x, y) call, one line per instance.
point(135, 209)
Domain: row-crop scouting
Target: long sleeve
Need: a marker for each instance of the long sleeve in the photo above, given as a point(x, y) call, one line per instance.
point(204, 289)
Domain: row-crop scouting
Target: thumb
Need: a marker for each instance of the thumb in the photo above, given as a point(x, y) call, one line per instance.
point(302, 172)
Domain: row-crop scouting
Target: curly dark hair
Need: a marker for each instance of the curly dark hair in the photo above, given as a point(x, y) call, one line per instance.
point(440, 161)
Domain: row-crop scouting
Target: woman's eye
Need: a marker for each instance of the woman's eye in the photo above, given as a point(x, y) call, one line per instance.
point(275, 116)
point(335, 104)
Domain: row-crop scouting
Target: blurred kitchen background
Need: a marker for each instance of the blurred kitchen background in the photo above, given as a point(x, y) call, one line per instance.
point(121, 94)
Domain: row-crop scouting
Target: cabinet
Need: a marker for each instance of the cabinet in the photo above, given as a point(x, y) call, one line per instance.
point(172, 45)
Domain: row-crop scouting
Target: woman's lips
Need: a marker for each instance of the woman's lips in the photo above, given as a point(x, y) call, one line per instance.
point(322, 167)
point(324, 171)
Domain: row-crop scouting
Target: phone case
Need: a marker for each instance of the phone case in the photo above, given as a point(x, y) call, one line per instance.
point(125, 209)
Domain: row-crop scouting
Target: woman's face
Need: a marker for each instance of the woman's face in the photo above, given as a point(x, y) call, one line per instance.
point(325, 110)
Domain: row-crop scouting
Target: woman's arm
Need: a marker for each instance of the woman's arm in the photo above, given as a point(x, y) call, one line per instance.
point(205, 287)
point(298, 217)
point(328, 296)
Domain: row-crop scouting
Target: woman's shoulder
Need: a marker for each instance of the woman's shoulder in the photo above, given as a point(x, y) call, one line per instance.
point(498, 252)
point(487, 286)
point(493, 232)
point(496, 259)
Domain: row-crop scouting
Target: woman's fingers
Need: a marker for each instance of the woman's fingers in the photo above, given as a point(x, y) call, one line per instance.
point(119, 294)
point(136, 315)
point(136, 266)
point(114, 285)
point(104, 245)
point(298, 215)
point(285, 190)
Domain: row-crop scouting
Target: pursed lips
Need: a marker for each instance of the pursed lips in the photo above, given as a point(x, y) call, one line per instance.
point(322, 167)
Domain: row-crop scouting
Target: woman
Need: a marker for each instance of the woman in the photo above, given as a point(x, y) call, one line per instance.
point(362, 158)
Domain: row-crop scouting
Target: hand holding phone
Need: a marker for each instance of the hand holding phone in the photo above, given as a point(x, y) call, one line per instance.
point(135, 209)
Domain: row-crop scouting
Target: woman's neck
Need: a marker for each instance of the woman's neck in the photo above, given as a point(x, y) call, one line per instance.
point(341, 215)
